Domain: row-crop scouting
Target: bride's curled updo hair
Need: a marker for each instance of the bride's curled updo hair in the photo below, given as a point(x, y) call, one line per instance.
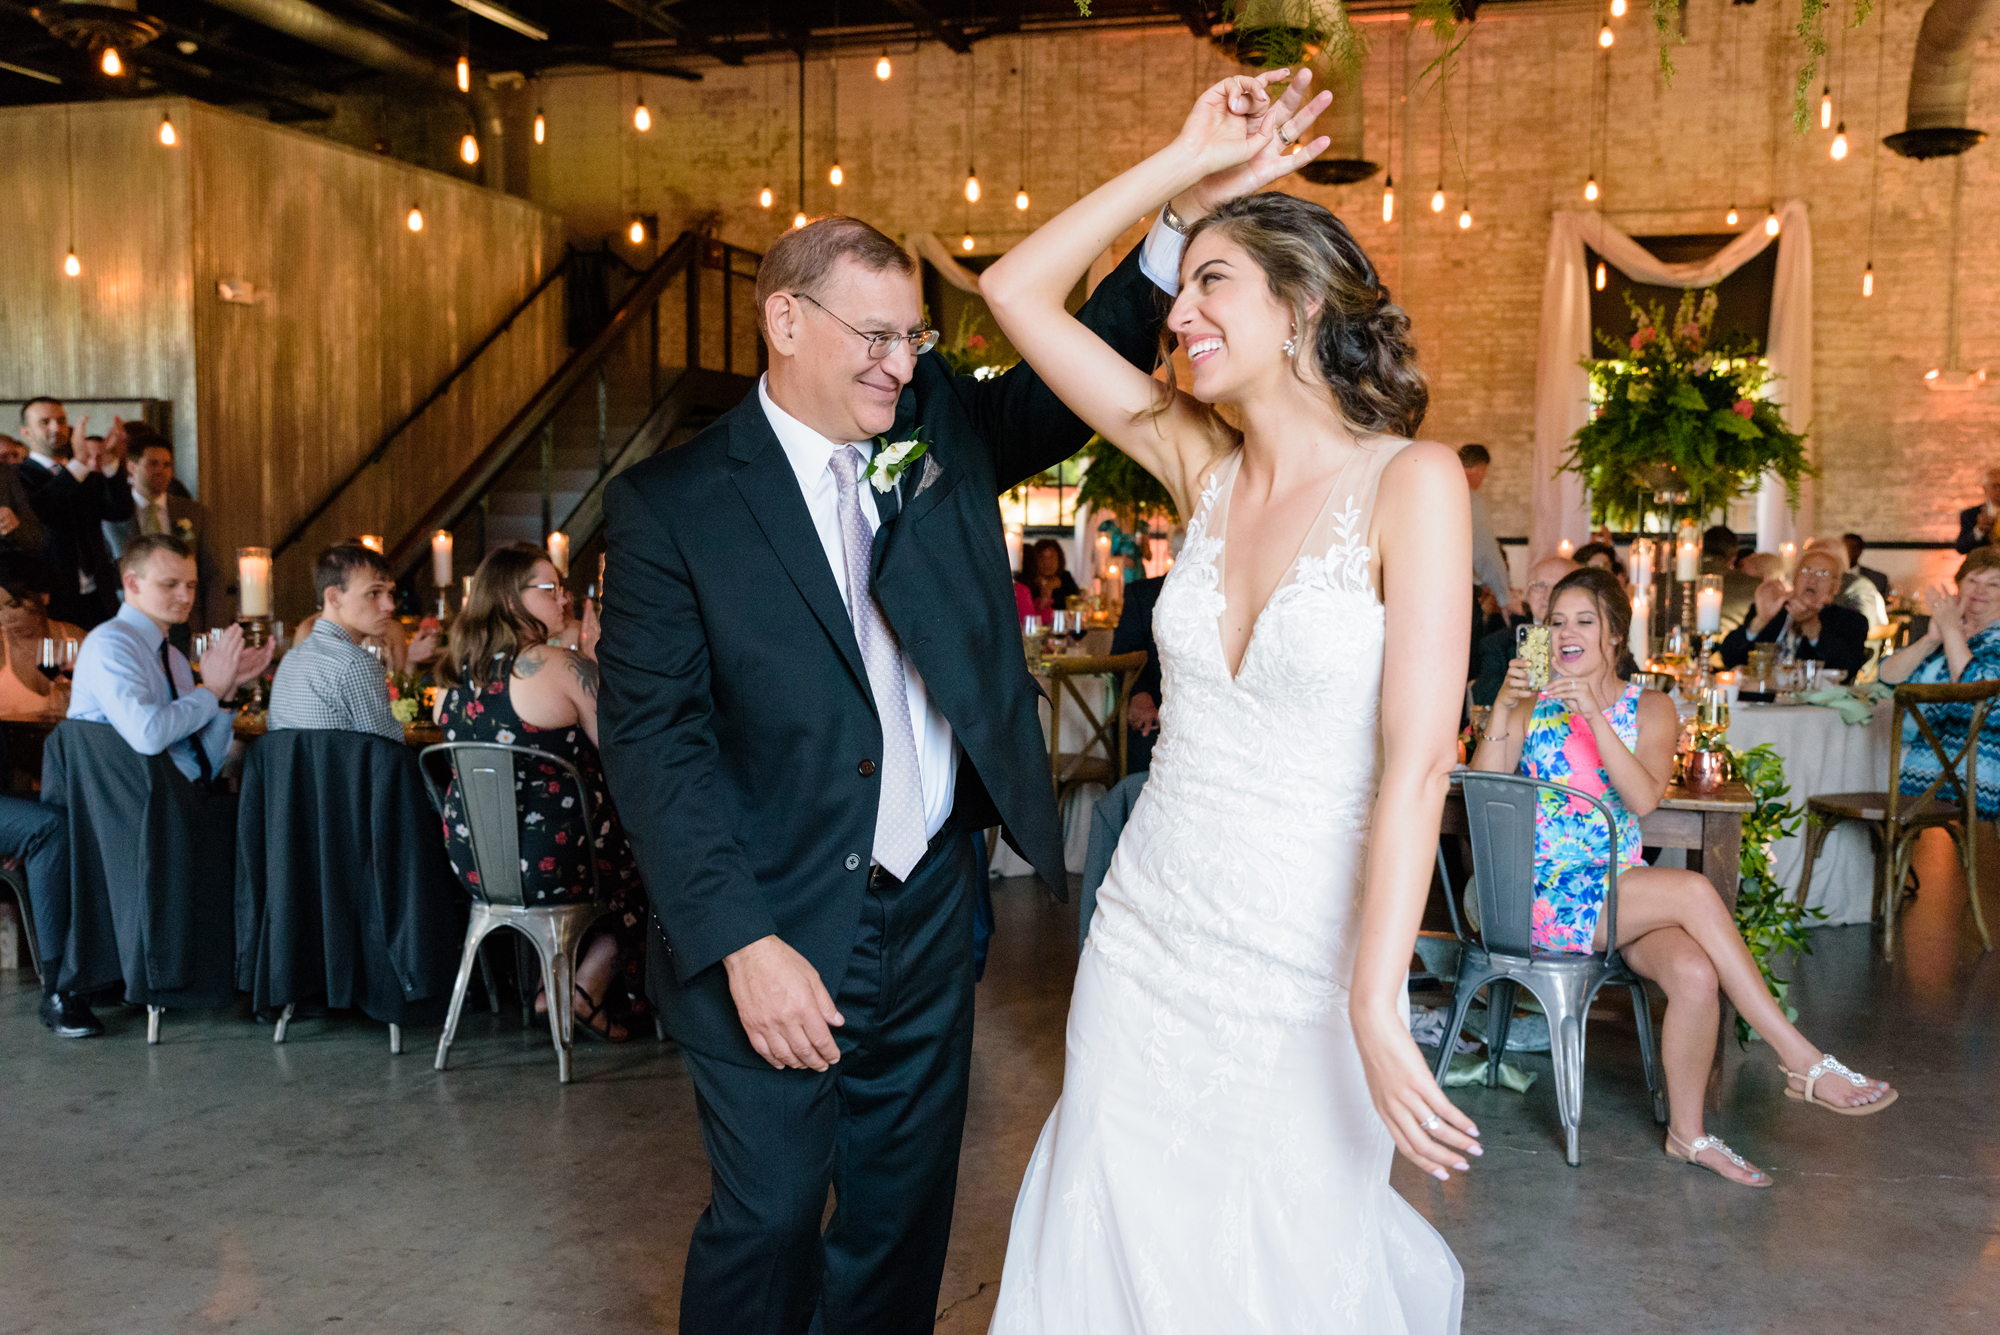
point(1359, 339)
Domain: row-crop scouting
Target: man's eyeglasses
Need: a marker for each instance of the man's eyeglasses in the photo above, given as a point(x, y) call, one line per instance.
point(881, 345)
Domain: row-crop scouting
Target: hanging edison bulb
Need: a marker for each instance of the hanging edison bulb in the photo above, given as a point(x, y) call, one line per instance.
point(965, 242)
point(836, 176)
point(1838, 149)
point(1771, 223)
point(1617, 9)
point(71, 265)
point(167, 135)
point(468, 149)
point(1465, 219)
point(1389, 199)
point(971, 186)
point(1600, 275)
point(111, 64)
point(1021, 199)
point(882, 70)
point(1605, 37)
point(1590, 189)
point(798, 220)
point(1868, 280)
point(1731, 217)
point(416, 219)
point(764, 198)
point(637, 231)
point(642, 119)
point(541, 127)
point(1437, 199)
point(1826, 107)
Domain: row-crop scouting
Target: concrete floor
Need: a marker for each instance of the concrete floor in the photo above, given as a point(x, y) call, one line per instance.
point(218, 1182)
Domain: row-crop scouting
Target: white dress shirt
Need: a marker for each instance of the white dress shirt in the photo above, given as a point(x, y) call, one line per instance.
point(809, 453)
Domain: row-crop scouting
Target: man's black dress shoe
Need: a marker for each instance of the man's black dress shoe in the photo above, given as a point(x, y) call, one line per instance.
point(70, 1017)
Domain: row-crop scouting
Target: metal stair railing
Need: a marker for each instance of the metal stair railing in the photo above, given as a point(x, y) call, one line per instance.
point(621, 366)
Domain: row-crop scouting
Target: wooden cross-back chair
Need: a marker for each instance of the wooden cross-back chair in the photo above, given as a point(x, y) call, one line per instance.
point(1895, 819)
point(1102, 756)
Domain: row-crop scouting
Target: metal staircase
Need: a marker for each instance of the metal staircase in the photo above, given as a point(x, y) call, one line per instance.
point(649, 370)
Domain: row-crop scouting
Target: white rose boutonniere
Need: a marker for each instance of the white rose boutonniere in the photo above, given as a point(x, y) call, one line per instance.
point(184, 529)
point(891, 461)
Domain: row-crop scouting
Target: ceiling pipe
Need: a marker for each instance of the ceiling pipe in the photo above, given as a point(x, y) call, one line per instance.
point(1941, 80)
point(309, 23)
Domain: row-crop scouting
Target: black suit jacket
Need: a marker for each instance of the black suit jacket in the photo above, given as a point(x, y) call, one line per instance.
point(1842, 642)
point(1135, 632)
point(1968, 528)
point(738, 731)
point(72, 515)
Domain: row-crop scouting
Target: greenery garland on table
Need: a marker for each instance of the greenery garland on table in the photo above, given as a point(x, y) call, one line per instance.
point(1677, 397)
point(1772, 921)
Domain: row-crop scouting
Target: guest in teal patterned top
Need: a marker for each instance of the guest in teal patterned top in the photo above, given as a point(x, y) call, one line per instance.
point(1962, 644)
point(1592, 731)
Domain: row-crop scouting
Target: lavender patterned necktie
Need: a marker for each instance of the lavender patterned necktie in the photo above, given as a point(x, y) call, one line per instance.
point(899, 816)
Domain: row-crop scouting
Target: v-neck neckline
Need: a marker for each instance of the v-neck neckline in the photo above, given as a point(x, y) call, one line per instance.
point(1228, 508)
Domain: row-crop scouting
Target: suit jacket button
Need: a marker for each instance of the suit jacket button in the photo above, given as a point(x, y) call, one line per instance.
point(867, 767)
point(853, 861)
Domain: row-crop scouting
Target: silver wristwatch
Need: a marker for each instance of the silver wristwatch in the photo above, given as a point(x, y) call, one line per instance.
point(1171, 219)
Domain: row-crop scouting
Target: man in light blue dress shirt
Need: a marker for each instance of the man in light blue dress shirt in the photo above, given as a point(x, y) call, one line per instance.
point(123, 670)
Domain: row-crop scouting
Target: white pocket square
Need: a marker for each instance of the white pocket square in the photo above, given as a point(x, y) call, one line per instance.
point(931, 474)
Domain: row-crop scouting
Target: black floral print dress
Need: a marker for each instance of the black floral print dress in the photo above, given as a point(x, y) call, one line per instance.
point(553, 839)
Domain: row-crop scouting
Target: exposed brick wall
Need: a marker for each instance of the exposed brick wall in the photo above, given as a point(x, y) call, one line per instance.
point(1897, 459)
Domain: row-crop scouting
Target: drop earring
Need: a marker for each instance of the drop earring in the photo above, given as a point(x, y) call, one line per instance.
point(1290, 345)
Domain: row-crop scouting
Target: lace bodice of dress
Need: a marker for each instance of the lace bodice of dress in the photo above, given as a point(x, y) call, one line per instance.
point(1239, 876)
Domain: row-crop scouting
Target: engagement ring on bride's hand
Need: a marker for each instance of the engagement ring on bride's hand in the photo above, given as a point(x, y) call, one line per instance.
point(1430, 1124)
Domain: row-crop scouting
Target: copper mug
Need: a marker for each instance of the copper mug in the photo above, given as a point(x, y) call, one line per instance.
point(1706, 771)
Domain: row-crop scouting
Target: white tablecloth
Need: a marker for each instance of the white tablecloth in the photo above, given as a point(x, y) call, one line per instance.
point(1076, 811)
point(1823, 755)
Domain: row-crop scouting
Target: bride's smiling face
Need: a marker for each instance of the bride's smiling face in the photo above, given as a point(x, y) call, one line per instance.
point(1231, 327)
point(1576, 636)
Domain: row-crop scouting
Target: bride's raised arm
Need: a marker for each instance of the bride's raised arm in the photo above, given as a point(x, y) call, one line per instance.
point(1231, 142)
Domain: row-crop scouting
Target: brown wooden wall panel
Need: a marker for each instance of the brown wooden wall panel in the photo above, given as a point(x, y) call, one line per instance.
point(123, 328)
point(357, 318)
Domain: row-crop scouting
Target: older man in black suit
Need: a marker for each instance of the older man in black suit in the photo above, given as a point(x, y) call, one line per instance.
point(1975, 522)
point(813, 692)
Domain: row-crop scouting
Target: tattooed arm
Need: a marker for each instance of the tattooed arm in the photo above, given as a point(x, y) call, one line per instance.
point(554, 687)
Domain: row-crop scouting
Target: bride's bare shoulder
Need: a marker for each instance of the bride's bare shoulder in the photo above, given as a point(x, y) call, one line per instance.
point(1421, 467)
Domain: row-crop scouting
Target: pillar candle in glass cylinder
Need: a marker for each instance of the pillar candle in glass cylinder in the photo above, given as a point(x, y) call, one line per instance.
point(559, 553)
point(1014, 543)
point(1565, 549)
point(1687, 553)
point(373, 542)
point(1788, 552)
point(441, 558)
point(1642, 620)
point(1708, 606)
point(1639, 563)
point(253, 581)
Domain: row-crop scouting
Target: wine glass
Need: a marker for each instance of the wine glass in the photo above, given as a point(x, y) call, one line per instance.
point(70, 649)
point(51, 658)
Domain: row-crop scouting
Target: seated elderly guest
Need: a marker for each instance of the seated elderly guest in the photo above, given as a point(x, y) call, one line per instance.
point(1804, 616)
point(506, 683)
point(1592, 731)
point(1975, 522)
point(1495, 651)
point(24, 624)
point(127, 674)
point(330, 681)
point(1962, 644)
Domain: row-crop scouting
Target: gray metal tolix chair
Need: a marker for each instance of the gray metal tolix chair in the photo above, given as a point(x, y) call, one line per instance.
point(484, 775)
point(1500, 957)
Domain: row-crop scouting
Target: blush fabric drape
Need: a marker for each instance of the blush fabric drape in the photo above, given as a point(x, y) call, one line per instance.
point(1562, 388)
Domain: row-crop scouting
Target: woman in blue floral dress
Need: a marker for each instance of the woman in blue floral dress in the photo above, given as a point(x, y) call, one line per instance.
point(1591, 730)
point(1962, 644)
point(506, 683)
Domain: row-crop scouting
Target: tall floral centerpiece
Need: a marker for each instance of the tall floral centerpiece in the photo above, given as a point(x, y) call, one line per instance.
point(1681, 413)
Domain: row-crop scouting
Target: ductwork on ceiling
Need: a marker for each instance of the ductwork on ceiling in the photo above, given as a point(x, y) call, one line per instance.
point(1941, 80)
point(329, 32)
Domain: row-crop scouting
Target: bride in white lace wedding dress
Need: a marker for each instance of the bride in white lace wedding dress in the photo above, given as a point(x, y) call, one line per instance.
point(1239, 1069)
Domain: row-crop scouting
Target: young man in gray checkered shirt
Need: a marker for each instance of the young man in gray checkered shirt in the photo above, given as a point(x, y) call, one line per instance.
point(329, 680)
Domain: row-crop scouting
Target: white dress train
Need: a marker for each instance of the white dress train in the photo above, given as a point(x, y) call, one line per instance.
point(1215, 1164)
